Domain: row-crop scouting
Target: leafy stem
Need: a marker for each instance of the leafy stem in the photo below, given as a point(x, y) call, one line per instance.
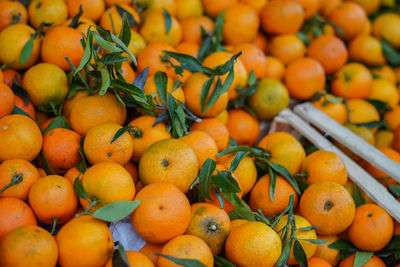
point(17, 178)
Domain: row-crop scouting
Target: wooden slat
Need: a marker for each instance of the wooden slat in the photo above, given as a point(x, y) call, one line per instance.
point(375, 190)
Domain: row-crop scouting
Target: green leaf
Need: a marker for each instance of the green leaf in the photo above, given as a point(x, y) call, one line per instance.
point(237, 159)
point(119, 258)
point(227, 66)
point(112, 58)
point(390, 53)
point(116, 211)
point(124, 48)
point(286, 174)
point(242, 211)
point(221, 262)
point(168, 21)
point(26, 51)
point(79, 190)
point(284, 258)
point(182, 262)
point(304, 38)
point(187, 62)
point(395, 189)
point(206, 45)
point(225, 182)
point(342, 245)
point(205, 175)
point(251, 79)
point(125, 34)
point(362, 257)
point(141, 78)
point(75, 20)
point(220, 89)
point(131, 19)
point(81, 166)
point(254, 151)
point(307, 228)
point(204, 93)
point(381, 107)
point(219, 26)
point(17, 110)
point(314, 241)
point(220, 198)
point(370, 125)
point(358, 198)
point(299, 254)
point(87, 54)
point(19, 91)
point(57, 122)
point(272, 183)
point(45, 164)
point(104, 44)
point(161, 80)
point(105, 80)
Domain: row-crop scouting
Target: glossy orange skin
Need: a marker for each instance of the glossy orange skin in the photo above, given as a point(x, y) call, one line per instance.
point(287, 48)
point(112, 12)
point(191, 49)
point(310, 7)
point(336, 111)
point(324, 252)
point(135, 259)
point(51, 11)
point(214, 128)
point(150, 249)
point(214, 7)
point(242, 127)
point(373, 262)
point(202, 144)
point(11, 11)
point(252, 58)
point(127, 72)
point(9, 75)
point(72, 174)
point(191, 28)
point(282, 17)
point(367, 49)
point(91, 9)
point(7, 100)
point(274, 68)
point(69, 103)
point(318, 262)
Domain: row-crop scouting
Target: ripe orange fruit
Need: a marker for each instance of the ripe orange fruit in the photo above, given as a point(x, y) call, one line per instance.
point(387, 26)
point(282, 17)
point(186, 247)
point(83, 25)
point(36, 245)
point(127, 72)
point(274, 68)
point(84, 241)
point(392, 118)
point(214, 7)
point(68, 103)
point(253, 244)
point(202, 144)
point(336, 111)
point(370, 6)
point(211, 224)
point(310, 7)
point(150, 251)
point(252, 58)
point(237, 222)
point(98, 147)
point(384, 91)
point(324, 252)
point(107, 182)
point(9, 75)
point(191, 49)
point(171, 161)
point(191, 28)
point(285, 150)
point(318, 262)
point(159, 5)
point(163, 213)
point(353, 80)
point(136, 45)
point(135, 259)
point(214, 128)
point(53, 197)
point(384, 139)
point(328, 50)
point(88, 111)
point(260, 197)
point(72, 174)
point(111, 20)
point(287, 47)
point(304, 78)
point(324, 166)
point(150, 134)
point(50, 11)
point(261, 41)
point(361, 111)
point(188, 8)
point(21, 138)
point(12, 13)
point(328, 206)
point(372, 228)
point(14, 213)
point(309, 248)
point(367, 49)
point(91, 9)
point(373, 262)
point(242, 127)
point(385, 72)
point(13, 167)
point(7, 100)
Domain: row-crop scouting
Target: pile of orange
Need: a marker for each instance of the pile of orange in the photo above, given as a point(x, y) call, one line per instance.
point(212, 189)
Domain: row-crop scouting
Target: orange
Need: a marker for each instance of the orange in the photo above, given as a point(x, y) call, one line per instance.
point(36, 245)
point(7, 100)
point(21, 138)
point(159, 5)
point(309, 248)
point(202, 144)
point(111, 19)
point(372, 228)
point(127, 72)
point(45, 83)
point(133, 171)
point(60, 147)
point(150, 251)
point(287, 47)
point(191, 28)
point(349, 17)
point(367, 49)
point(107, 182)
point(12, 13)
point(353, 80)
point(385, 91)
point(318, 262)
point(91, 9)
point(135, 259)
point(282, 17)
point(186, 247)
point(237, 222)
point(304, 78)
point(214, 128)
point(392, 118)
point(149, 134)
point(260, 198)
point(163, 213)
point(171, 161)
point(252, 58)
point(192, 89)
point(274, 68)
point(361, 111)
point(261, 41)
point(310, 7)
point(60, 42)
point(380, 175)
point(10, 75)
point(324, 166)
point(83, 25)
point(328, 6)
point(370, 6)
point(324, 252)
point(384, 138)
point(191, 49)
point(188, 8)
point(136, 45)
point(68, 103)
point(385, 72)
point(328, 206)
point(253, 244)
point(387, 26)
point(84, 241)
point(53, 197)
point(223, 116)
point(112, 2)
point(49, 11)
point(88, 111)
point(13, 167)
point(14, 213)
point(336, 111)
point(242, 127)
point(12, 40)
point(373, 262)
point(72, 174)
point(214, 7)
point(328, 50)
point(211, 224)
point(98, 147)
point(285, 150)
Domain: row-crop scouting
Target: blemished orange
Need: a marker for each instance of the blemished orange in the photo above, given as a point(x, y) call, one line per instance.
point(191, 28)
point(150, 251)
point(88, 239)
point(91, 9)
point(324, 166)
point(188, 8)
point(392, 118)
point(308, 247)
point(214, 128)
point(98, 147)
point(336, 111)
point(107, 182)
point(253, 244)
point(372, 228)
point(243, 127)
point(252, 58)
point(14, 167)
point(60, 147)
point(328, 50)
point(150, 134)
point(186, 247)
point(12, 13)
point(318, 262)
point(21, 138)
point(135, 259)
point(260, 198)
point(164, 213)
point(49, 11)
point(211, 224)
point(385, 91)
point(304, 78)
point(53, 198)
point(111, 19)
point(14, 213)
point(214, 7)
point(38, 247)
point(324, 252)
point(367, 49)
point(387, 26)
point(88, 111)
point(202, 144)
point(329, 206)
point(7, 100)
point(374, 261)
point(274, 68)
point(171, 161)
point(60, 42)
point(287, 47)
point(353, 80)
point(285, 150)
